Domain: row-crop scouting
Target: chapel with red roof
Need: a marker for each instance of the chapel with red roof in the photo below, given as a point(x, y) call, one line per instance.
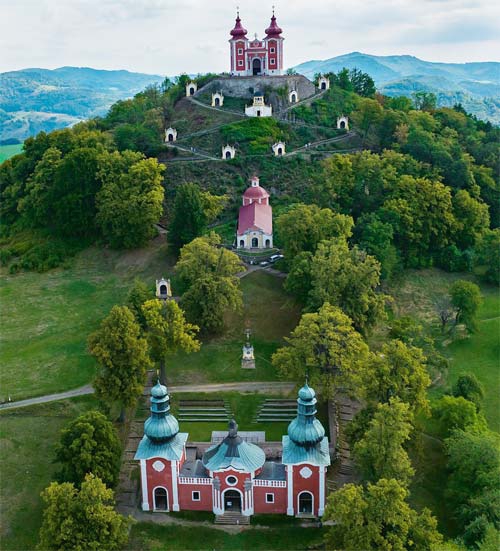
point(255, 220)
point(258, 56)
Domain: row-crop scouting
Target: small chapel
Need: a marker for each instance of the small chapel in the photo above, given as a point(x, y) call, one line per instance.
point(233, 475)
point(256, 56)
point(255, 220)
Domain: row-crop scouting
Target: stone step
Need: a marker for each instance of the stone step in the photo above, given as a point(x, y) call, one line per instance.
point(232, 518)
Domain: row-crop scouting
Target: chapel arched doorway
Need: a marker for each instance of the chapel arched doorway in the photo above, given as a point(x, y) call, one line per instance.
point(342, 124)
point(160, 499)
point(228, 154)
point(232, 501)
point(305, 503)
point(217, 102)
point(323, 85)
point(255, 242)
point(256, 66)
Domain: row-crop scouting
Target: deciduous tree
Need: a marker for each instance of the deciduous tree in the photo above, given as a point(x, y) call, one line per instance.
point(398, 371)
point(168, 331)
point(188, 219)
point(138, 294)
point(347, 278)
point(327, 346)
point(466, 299)
point(130, 202)
point(380, 452)
point(378, 518)
point(89, 444)
point(209, 273)
point(468, 386)
point(81, 519)
point(303, 227)
point(122, 354)
point(456, 413)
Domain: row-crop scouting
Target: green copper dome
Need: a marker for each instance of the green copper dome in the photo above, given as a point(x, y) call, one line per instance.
point(162, 425)
point(233, 452)
point(305, 430)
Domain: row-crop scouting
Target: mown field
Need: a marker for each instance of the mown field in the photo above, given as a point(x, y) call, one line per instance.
point(154, 537)
point(27, 443)
point(46, 318)
point(416, 293)
point(8, 151)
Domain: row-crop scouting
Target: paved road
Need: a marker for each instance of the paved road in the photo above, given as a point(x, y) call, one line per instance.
point(261, 387)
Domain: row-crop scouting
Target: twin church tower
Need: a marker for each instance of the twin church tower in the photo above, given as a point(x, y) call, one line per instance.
point(252, 57)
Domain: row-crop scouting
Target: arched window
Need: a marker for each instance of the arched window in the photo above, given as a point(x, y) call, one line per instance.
point(268, 243)
point(255, 242)
point(306, 503)
point(160, 499)
point(293, 97)
point(242, 243)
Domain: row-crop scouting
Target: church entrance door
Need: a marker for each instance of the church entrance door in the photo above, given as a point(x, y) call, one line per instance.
point(232, 501)
point(256, 66)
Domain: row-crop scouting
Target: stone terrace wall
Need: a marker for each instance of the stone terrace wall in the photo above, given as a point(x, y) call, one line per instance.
point(244, 87)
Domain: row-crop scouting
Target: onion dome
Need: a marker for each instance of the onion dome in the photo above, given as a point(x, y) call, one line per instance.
point(239, 31)
point(162, 425)
point(234, 452)
point(273, 31)
point(305, 430)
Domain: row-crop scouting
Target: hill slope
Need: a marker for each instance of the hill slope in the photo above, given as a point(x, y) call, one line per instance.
point(32, 100)
point(475, 85)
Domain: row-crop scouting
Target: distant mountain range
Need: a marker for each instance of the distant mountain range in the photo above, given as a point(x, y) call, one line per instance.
point(32, 100)
point(475, 85)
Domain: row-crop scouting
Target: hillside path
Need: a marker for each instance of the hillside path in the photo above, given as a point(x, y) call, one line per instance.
point(261, 387)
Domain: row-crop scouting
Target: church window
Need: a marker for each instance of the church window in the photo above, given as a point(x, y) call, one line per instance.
point(269, 498)
point(272, 50)
point(231, 480)
point(195, 496)
point(240, 62)
point(240, 51)
point(272, 62)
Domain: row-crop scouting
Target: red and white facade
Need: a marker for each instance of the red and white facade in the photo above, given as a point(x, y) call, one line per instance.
point(235, 476)
point(257, 56)
point(255, 219)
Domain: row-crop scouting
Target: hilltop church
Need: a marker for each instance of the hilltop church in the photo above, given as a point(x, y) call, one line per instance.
point(256, 57)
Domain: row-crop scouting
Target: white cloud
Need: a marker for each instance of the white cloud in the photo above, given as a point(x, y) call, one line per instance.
point(171, 36)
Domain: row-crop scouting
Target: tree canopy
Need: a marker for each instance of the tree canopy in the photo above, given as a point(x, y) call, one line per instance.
point(466, 299)
point(123, 358)
point(347, 278)
point(79, 520)
point(380, 452)
point(378, 518)
point(89, 444)
point(326, 346)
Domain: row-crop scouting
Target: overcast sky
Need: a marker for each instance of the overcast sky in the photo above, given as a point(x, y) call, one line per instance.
point(168, 37)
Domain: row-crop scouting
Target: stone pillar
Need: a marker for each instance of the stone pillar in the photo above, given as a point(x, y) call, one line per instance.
point(321, 505)
point(289, 475)
point(175, 495)
point(144, 486)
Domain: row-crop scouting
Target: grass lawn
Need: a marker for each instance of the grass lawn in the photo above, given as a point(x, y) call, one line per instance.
point(270, 314)
point(46, 318)
point(27, 440)
point(244, 407)
point(479, 353)
point(154, 537)
point(8, 151)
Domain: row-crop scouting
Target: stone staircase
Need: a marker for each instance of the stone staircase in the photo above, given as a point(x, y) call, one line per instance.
point(232, 517)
